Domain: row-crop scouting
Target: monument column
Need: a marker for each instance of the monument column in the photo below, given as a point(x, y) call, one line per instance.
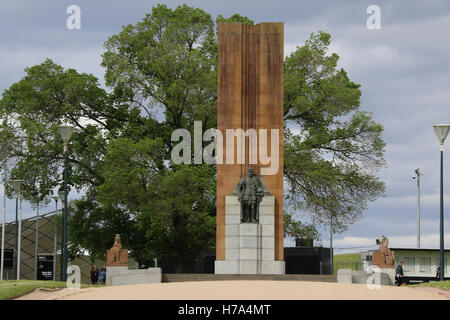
point(250, 96)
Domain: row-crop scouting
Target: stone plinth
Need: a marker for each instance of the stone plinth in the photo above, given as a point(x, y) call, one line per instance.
point(344, 276)
point(113, 271)
point(120, 276)
point(249, 247)
point(381, 277)
point(390, 272)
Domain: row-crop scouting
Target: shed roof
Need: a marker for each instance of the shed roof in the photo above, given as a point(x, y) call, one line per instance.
point(417, 249)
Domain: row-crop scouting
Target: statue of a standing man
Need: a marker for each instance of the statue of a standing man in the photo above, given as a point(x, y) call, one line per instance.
point(250, 191)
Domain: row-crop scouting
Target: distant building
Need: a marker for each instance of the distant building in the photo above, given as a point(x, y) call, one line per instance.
point(48, 250)
point(419, 264)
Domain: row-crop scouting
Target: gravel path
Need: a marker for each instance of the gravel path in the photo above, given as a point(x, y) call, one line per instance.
point(239, 290)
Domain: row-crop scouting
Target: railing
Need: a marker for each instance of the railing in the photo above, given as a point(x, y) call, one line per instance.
point(343, 264)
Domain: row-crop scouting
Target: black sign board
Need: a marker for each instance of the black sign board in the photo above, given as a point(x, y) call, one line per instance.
point(8, 259)
point(45, 267)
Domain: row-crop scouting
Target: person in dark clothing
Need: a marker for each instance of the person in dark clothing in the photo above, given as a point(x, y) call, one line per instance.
point(399, 275)
point(94, 274)
point(438, 273)
point(102, 275)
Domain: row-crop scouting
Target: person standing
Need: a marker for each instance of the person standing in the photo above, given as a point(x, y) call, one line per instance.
point(399, 275)
point(438, 273)
point(102, 275)
point(94, 274)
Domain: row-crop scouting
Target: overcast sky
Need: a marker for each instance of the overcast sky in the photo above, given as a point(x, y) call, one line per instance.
point(403, 69)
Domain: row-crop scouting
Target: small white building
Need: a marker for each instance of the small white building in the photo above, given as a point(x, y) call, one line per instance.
point(419, 264)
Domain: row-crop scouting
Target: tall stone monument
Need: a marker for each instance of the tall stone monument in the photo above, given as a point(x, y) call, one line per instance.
point(250, 96)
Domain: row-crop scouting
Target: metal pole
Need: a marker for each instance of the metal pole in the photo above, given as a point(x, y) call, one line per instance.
point(16, 239)
point(331, 244)
point(55, 240)
point(3, 226)
point(20, 238)
point(36, 248)
point(442, 267)
point(64, 244)
point(61, 262)
point(418, 207)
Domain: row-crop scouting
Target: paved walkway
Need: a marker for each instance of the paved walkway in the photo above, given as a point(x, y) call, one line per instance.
point(239, 290)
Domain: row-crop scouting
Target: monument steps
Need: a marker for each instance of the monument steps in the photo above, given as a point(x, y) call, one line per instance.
point(185, 277)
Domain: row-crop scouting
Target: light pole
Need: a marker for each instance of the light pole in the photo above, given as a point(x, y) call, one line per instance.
point(414, 176)
point(36, 244)
point(3, 225)
point(331, 244)
point(56, 198)
point(17, 184)
point(65, 133)
point(442, 132)
point(61, 197)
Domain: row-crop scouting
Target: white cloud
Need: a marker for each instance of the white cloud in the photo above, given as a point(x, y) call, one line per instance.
point(428, 241)
point(84, 59)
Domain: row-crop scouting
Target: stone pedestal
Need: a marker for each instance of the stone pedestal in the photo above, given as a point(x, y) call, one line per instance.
point(344, 276)
point(390, 273)
point(120, 276)
point(113, 271)
point(249, 247)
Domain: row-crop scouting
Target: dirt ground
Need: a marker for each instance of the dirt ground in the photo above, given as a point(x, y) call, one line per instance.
point(240, 290)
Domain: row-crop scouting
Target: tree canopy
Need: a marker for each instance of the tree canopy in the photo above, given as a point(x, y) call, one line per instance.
point(161, 75)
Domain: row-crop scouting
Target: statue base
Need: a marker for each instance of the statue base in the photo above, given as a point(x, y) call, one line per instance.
point(249, 247)
point(121, 276)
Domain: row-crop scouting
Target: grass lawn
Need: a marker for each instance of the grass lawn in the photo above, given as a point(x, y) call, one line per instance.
point(346, 261)
point(10, 289)
point(347, 257)
point(444, 285)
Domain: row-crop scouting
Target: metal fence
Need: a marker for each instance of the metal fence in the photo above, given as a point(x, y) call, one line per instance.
point(346, 264)
point(48, 229)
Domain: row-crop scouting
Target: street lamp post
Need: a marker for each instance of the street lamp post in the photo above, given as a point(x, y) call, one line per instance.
point(61, 197)
point(442, 132)
point(331, 244)
point(16, 185)
point(36, 244)
point(65, 133)
point(56, 198)
point(3, 225)
point(414, 176)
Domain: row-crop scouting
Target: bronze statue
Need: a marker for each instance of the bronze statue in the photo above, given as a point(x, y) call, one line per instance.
point(250, 192)
point(116, 255)
point(383, 257)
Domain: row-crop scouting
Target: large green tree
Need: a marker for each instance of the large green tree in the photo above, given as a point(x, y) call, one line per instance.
point(332, 150)
point(161, 75)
